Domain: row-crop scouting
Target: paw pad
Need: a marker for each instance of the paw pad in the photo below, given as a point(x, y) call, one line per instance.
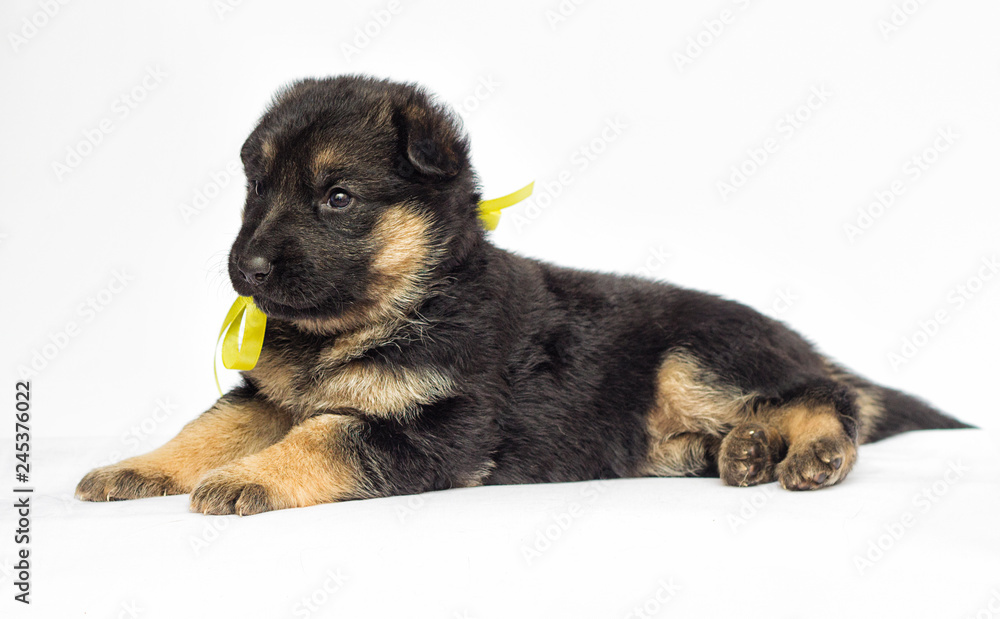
point(746, 457)
point(817, 464)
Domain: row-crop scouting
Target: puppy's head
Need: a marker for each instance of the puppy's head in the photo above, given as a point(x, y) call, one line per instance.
point(359, 192)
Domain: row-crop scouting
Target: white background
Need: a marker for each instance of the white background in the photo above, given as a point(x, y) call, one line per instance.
point(129, 376)
point(653, 189)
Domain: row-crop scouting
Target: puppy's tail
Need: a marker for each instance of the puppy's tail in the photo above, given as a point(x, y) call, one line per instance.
point(885, 412)
point(901, 412)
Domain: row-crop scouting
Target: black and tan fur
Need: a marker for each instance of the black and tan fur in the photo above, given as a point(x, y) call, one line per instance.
point(405, 353)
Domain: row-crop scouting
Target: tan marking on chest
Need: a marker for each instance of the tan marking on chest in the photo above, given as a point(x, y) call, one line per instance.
point(353, 344)
point(389, 393)
point(362, 385)
point(276, 378)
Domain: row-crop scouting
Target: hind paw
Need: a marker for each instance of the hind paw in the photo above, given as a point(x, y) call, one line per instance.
point(818, 464)
point(748, 455)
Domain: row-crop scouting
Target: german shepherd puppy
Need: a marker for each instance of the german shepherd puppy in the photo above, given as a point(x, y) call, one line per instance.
point(405, 353)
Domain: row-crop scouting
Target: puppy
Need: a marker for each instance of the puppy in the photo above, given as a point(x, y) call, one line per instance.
point(405, 353)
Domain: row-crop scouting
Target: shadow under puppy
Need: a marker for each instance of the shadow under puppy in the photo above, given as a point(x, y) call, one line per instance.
point(405, 353)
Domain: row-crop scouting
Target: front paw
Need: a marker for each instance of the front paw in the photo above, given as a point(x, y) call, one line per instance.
point(120, 482)
point(234, 489)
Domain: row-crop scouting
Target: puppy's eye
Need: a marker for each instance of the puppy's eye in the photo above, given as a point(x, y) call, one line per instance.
point(339, 198)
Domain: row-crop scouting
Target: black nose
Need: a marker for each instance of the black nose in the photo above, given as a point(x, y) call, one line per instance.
point(255, 270)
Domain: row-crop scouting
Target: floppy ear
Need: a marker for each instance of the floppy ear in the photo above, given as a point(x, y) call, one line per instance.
point(432, 140)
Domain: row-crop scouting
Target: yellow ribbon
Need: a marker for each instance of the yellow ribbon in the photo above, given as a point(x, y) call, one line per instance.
point(236, 357)
point(489, 210)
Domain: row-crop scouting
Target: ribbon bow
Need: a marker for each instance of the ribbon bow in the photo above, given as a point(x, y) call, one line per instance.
point(489, 210)
point(235, 356)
